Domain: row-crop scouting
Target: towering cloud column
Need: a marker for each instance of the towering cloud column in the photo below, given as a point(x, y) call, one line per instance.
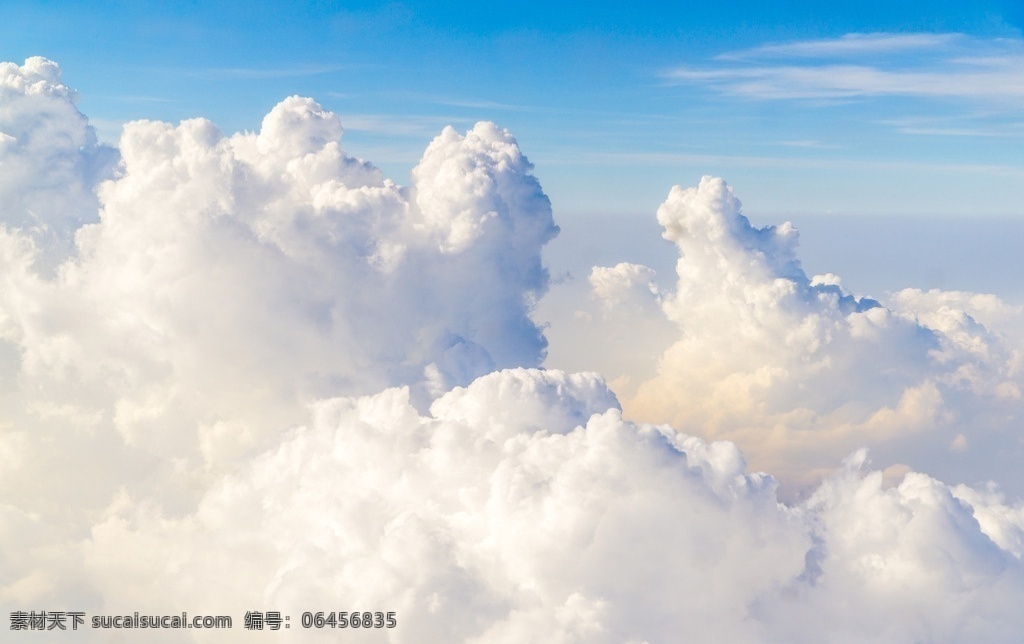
point(170, 308)
point(799, 371)
point(220, 281)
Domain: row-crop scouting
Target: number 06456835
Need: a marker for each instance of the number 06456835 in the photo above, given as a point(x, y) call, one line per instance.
point(345, 619)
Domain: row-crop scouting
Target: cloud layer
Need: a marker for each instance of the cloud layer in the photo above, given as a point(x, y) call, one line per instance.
point(523, 507)
point(247, 372)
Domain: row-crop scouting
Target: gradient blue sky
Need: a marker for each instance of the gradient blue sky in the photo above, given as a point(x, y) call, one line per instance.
point(860, 108)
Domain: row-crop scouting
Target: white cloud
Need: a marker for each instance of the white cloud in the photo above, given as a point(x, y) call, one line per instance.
point(524, 507)
point(970, 80)
point(274, 265)
point(49, 158)
point(797, 370)
point(851, 44)
point(203, 294)
point(405, 126)
point(258, 73)
point(929, 66)
point(233, 387)
point(625, 284)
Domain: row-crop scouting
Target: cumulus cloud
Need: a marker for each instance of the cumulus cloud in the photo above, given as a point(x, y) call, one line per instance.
point(248, 372)
point(798, 370)
point(625, 284)
point(223, 279)
point(49, 157)
point(524, 507)
point(169, 308)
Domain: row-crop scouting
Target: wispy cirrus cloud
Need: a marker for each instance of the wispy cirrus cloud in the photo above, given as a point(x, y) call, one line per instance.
point(809, 144)
point(849, 44)
point(949, 131)
point(299, 70)
point(262, 73)
point(984, 123)
point(407, 125)
point(868, 65)
point(480, 104)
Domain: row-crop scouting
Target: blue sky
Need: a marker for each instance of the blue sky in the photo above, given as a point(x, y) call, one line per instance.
point(861, 108)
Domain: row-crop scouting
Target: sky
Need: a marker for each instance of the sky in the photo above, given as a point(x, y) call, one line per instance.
point(524, 322)
point(860, 108)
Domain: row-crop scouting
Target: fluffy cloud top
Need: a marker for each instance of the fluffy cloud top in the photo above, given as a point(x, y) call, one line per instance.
point(49, 158)
point(796, 369)
point(223, 279)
